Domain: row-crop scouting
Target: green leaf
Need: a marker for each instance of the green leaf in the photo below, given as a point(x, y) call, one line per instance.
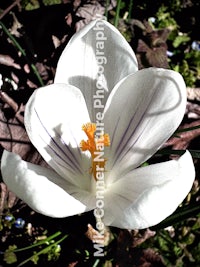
point(9, 256)
point(180, 39)
point(35, 258)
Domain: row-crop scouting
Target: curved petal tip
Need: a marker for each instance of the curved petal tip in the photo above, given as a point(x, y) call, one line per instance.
point(41, 188)
point(159, 200)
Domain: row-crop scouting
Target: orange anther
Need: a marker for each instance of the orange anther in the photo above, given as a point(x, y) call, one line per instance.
point(95, 146)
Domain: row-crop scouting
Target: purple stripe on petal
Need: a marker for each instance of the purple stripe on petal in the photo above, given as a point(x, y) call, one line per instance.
point(123, 148)
point(62, 148)
point(74, 159)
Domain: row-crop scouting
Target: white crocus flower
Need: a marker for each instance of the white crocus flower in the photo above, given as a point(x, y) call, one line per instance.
point(138, 111)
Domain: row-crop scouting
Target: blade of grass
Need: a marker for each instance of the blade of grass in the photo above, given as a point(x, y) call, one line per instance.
point(179, 215)
point(130, 9)
point(194, 153)
point(39, 243)
point(116, 21)
point(106, 8)
point(188, 129)
point(96, 263)
point(18, 46)
point(43, 251)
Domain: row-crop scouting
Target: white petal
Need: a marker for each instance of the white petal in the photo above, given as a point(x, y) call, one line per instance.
point(42, 189)
point(142, 112)
point(54, 117)
point(148, 195)
point(95, 59)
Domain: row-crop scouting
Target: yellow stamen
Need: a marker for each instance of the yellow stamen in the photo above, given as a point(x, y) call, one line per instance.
point(96, 147)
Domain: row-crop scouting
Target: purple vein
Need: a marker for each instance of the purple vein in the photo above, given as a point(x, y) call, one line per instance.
point(72, 165)
point(120, 150)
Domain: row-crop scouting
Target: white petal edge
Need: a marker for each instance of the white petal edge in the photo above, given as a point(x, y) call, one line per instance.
point(141, 113)
point(42, 189)
point(54, 117)
point(94, 60)
point(150, 194)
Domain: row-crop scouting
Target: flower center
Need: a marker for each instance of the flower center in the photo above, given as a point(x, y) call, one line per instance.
point(95, 145)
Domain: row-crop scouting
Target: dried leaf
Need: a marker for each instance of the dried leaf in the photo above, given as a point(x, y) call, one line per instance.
point(151, 259)
point(7, 198)
point(73, 264)
point(155, 56)
point(139, 239)
point(57, 42)
point(151, 57)
point(16, 26)
point(8, 61)
point(97, 237)
point(184, 139)
point(42, 70)
point(192, 110)
point(89, 11)
point(129, 254)
point(193, 93)
point(152, 47)
point(13, 136)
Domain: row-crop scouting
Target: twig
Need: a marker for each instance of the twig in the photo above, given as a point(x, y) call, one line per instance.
point(8, 100)
point(7, 10)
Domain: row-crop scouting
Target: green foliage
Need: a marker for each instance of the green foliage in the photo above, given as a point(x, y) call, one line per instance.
point(51, 2)
point(30, 4)
point(180, 39)
point(7, 223)
point(34, 4)
point(185, 60)
point(35, 258)
point(193, 59)
point(188, 74)
point(54, 253)
point(9, 256)
point(178, 245)
point(165, 19)
point(175, 5)
point(48, 247)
